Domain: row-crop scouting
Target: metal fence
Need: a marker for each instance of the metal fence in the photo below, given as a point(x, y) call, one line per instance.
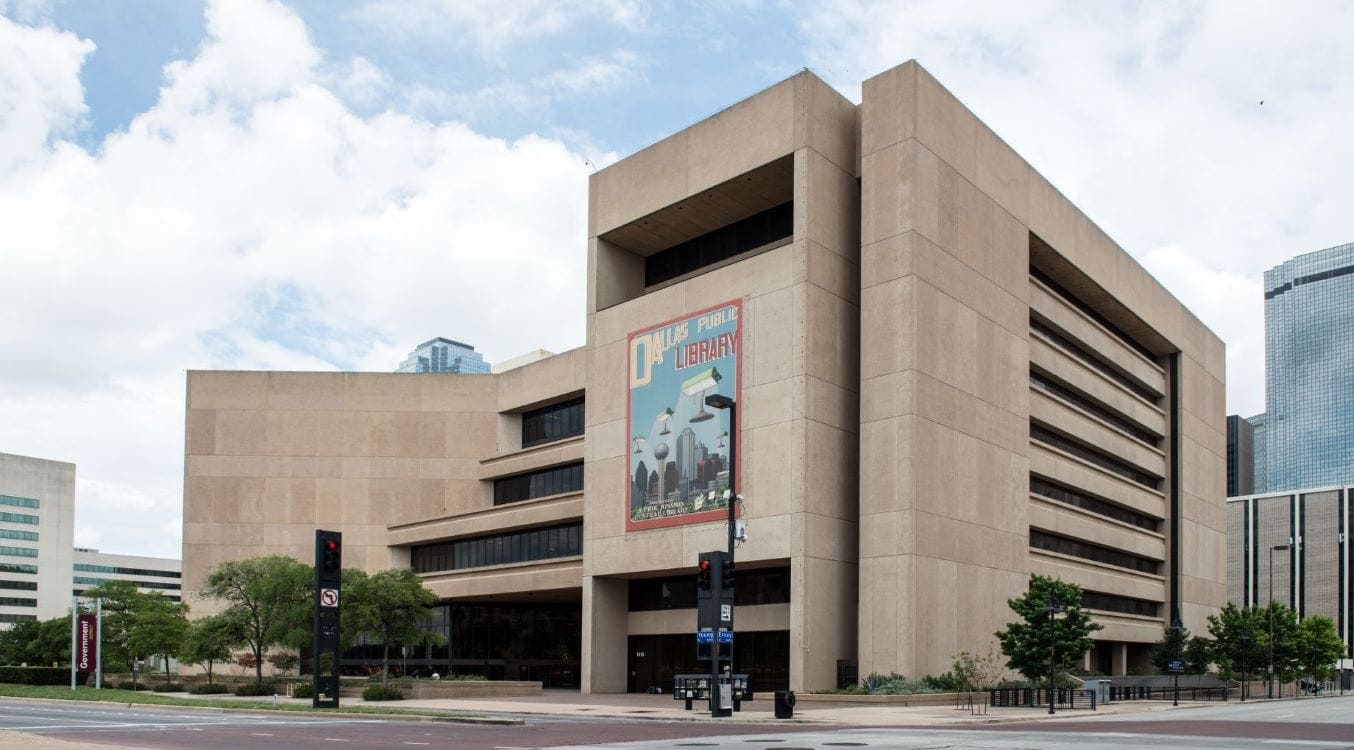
point(1064, 698)
point(1145, 693)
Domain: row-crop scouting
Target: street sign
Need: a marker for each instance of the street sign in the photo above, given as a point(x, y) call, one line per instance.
point(705, 636)
point(329, 597)
point(1176, 666)
point(726, 613)
point(726, 636)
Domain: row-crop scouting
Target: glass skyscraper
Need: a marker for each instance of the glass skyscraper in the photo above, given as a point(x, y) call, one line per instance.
point(1308, 437)
point(445, 355)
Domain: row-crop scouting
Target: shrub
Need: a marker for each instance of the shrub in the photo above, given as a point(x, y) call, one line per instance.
point(945, 683)
point(378, 693)
point(128, 686)
point(251, 688)
point(302, 690)
point(35, 675)
point(167, 687)
point(895, 684)
point(214, 688)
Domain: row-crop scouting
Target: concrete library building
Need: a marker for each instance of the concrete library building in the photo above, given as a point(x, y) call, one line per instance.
point(938, 377)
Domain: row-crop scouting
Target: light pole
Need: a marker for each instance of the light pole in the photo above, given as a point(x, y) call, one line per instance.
point(720, 401)
point(1052, 607)
point(1244, 638)
point(1269, 688)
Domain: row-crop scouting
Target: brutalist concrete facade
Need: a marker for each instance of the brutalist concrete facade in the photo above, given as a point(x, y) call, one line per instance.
point(947, 379)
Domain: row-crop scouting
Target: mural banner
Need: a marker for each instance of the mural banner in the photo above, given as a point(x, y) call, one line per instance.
point(87, 636)
point(679, 447)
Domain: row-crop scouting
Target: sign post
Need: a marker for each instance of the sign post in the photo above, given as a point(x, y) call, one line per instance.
point(328, 580)
point(1176, 668)
point(98, 644)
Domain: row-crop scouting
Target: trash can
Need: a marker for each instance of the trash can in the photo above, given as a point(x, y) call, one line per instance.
point(785, 704)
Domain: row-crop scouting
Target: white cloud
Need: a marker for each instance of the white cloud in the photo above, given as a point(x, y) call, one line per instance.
point(491, 27)
point(250, 219)
point(40, 91)
point(1149, 118)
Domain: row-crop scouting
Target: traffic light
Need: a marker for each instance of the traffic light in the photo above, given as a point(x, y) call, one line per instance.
point(726, 574)
point(703, 574)
point(332, 559)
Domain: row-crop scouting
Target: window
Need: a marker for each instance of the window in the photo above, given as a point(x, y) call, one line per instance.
point(26, 536)
point(18, 518)
point(20, 502)
point(8, 619)
point(1093, 455)
point(1064, 494)
point(527, 545)
point(86, 580)
point(554, 422)
point(17, 601)
point(708, 249)
point(1094, 552)
point(1086, 403)
point(544, 483)
point(759, 586)
point(19, 585)
point(1086, 357)
point(17, 568)
point(18, 551)
point(1115, 603)
point(88, 568)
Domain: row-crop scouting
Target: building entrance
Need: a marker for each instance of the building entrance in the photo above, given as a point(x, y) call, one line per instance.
point(655, 659)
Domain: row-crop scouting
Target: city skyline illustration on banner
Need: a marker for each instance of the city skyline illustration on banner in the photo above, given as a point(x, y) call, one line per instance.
point(679, 447)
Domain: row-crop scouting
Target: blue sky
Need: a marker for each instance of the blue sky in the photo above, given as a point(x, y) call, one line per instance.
point(320, 185)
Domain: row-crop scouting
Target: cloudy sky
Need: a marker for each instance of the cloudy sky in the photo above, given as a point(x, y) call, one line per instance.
point(321, 185)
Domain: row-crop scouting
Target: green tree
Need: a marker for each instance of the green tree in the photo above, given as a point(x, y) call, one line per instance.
point(270, 597)
point(1319, 647)
point(121, 600)
point(37, 643)
point(159, 627)
point(1029, 642)
point(1198, 655)
point(1240, 640)
point(1170, 648)
point(390, 607)
point(1282, 621)
point(209, 640)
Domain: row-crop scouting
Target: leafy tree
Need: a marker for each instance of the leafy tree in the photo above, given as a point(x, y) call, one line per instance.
point(1319, 647)
point(1240, 640)
point(209, 640)
point(390, 606)
point(121, 600)
point(284, 661)
point(270, 598)
point(1198, 655)
point(37, 643)
point(1171, 647)
point(1029, 642)
point(159, 626)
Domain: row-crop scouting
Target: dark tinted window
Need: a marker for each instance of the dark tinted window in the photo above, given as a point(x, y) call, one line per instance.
point(1105, 461)
point(544, 483)
point(724, 243)
point(1065, 494)
point(761, 586)
point(1115, 603)
point(554, 422)
point(500, 549)
point(1087, 551)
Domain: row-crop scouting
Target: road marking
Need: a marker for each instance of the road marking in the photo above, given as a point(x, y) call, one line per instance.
point(417, 743)
point(1284, 716)
point(334, 739)
point(259, 734)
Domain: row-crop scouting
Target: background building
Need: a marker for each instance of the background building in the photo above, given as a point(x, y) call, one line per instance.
point(37, 531)
point(444, 355)
point(1299, 542)
point(1259, 467)
point(1309, 371)
point(1240, 456)
point(157, 575)
point(947, 378)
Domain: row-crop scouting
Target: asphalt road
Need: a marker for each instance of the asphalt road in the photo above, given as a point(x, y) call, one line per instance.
point(205, 729)
point(1312, 724)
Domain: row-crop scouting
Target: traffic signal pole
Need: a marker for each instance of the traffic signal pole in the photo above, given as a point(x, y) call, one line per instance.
point(328, 585)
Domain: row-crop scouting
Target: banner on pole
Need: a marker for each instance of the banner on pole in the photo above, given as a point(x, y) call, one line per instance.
point(86, 637)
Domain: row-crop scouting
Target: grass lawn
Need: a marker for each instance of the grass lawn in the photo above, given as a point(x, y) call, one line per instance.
point(63, 692)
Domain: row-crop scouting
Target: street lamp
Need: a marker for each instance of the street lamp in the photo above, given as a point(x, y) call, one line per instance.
point(720, 401)
point(1269, 689)
point(1052, 607)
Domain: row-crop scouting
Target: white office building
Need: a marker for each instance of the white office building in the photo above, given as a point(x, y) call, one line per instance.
point(37, 532)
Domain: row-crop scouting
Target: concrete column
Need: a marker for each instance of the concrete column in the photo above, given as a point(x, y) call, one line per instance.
point(605, 635)
point(1119, 658)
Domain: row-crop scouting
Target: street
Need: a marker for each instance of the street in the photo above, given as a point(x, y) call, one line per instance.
point(1325, 723)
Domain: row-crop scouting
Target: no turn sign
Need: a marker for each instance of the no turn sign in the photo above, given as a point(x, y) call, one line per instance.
point(328, 597)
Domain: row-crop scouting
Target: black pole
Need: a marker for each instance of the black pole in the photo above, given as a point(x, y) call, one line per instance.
point(1177, 691)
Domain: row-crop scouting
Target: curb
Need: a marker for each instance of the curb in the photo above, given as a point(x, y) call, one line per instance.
point(489, 720)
